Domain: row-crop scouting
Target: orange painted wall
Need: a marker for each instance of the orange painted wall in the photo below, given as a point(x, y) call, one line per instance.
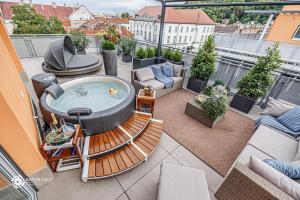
point(285, 26)
point(18, 132)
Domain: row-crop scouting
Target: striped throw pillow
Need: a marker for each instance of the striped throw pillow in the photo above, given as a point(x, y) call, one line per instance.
point(291, 170)
point(291, 119)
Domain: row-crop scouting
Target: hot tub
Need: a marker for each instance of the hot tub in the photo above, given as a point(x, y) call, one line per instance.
point(111, 99)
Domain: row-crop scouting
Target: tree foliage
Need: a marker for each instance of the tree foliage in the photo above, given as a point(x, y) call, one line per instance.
point(27, 21)
point(257, 81)
point(79, 39)
point(236, 14)
point(125, 15)
point(203, 65)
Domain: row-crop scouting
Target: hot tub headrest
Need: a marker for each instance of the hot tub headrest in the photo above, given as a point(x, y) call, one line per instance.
point(80, 111)
point(55, 90)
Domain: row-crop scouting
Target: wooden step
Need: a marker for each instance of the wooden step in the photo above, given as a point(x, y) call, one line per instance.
point(125, 158)
point(109, 141)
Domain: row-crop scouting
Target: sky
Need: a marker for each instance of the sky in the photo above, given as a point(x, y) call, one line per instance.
point(104, 6)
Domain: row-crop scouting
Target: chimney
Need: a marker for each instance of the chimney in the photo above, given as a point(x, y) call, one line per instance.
point(53, 4)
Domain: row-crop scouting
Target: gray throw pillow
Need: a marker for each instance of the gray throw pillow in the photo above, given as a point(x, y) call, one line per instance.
point(177, 69)
point(55, 90)
point(144, 74)
point(276, 108)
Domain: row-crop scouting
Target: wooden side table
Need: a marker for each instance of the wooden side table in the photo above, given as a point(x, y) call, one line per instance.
point(145, 103)
point(70, 156)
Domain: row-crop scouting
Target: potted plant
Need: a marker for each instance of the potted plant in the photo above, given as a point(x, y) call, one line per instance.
point(80, 41)
point(257, 81)
point(211, 108)
point(127, 46)
point(173, 56)
point(203, 66)
point(143, 58)
point(109, 54)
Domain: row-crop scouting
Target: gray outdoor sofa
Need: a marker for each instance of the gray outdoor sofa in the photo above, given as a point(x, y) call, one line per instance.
point(143, 77)
point(242, 182)
point(61, 59)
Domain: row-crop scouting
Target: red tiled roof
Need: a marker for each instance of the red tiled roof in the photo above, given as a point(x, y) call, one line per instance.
point(178, 15)
point(61, 12)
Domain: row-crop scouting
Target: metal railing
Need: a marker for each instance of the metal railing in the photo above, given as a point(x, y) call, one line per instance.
point(232, 63)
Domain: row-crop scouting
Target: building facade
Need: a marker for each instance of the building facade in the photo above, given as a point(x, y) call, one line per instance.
point(79, 16)
point(183, 29)
point(286, 27)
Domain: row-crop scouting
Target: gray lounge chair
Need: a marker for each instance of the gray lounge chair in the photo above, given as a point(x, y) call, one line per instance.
point(61, 59)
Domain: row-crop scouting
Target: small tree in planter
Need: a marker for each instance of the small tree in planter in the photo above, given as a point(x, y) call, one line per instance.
point(203, 66)
point(127, 45)
point(257, 81)
point(80, 41)
point(144, 58)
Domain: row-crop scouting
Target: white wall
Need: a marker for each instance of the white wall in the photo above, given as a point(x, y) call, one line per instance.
point(175, 35)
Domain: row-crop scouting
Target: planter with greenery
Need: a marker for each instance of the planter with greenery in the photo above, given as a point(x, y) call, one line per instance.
point(127, 46)
point(80, 41)
point(203, 66)
point(209, 109)
point(144, 58)
point(173, 56)
point(257, 81)
point(109, 54)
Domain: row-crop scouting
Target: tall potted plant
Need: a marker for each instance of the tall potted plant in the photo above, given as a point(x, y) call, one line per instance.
point(127, 45)
point(203, 66)
point(109, 53)
point(257, 81)
point(144, 58)
point(80, 41)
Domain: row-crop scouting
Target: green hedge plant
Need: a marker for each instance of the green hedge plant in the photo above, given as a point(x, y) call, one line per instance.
point(141, 53)
point(127, 45)
point(203, 65)
point(168, 54)
point(177, 56)
point(150, 52)
point(258, 80)
point(108, 45)
point(79, 40)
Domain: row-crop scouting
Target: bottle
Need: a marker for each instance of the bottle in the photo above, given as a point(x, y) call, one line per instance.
point(53, 124)
point(54, 120)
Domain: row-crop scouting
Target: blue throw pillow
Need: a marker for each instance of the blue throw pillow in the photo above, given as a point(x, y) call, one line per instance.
point(168, 70)
point(288, 169)
point(291, 119)
point(157, 71)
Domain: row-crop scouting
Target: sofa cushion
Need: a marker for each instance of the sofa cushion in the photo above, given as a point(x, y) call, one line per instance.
point(178, 182)
point(277, 145)
point(278, 179)
point(291, 170)
point(177, 70)
point(249, 151)
point(177, 79)
point(168, 70)
point(297, 157)
point(55, 90)
point(291, 119)
point(153, 83)
point(144, 74)
point(276, 108)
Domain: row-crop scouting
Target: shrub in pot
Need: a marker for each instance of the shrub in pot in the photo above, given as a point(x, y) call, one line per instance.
point(203, 66)
point(144, 58)
point(127, 46)
point(257, 81)
point(80, 41)
point(109, 54)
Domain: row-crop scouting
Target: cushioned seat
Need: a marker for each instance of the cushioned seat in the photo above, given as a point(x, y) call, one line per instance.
point(61, 59)
point(153, 83)
point(177, 79)
point(275, 144)
point(182, 183)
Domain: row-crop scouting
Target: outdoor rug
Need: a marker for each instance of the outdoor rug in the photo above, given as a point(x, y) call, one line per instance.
point(218, 147)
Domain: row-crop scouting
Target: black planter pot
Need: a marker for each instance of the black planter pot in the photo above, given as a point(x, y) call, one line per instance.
point(196, 85)
point(81, 52)
point(160, 60)
point(176, 63)
point(242, 103)
point(127, 58)
point(110, 62)
point(140, 63)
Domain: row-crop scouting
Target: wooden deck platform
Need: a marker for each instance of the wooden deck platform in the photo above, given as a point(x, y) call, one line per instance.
point(121, 149)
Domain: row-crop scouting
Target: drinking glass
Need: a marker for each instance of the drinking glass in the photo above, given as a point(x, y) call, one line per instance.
point(63, 124)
